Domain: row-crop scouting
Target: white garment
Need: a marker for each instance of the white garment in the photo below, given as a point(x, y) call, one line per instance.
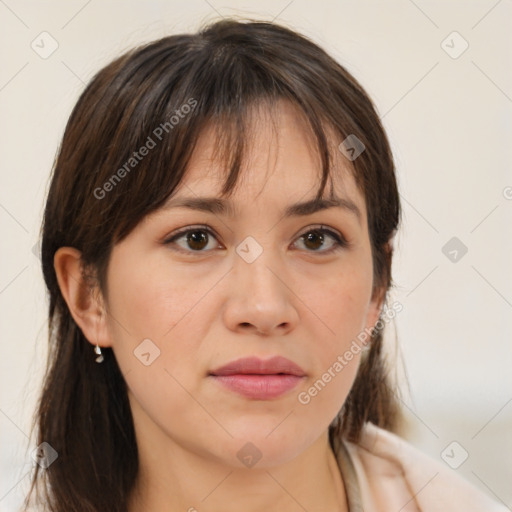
point(384, 473)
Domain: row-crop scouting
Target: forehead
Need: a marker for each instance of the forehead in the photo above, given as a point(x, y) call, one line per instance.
point(281, 163)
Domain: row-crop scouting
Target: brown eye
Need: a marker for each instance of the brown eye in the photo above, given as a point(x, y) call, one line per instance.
point(197, 240)
point(313, 240)
point(193, 240)
point(316, 239)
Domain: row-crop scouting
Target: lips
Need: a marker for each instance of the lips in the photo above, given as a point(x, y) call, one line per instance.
point(257, 379)
point(255, 366)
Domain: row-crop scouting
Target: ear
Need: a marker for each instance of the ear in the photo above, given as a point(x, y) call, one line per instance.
point(82, 297)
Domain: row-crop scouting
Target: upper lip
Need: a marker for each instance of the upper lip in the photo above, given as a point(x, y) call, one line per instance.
point(257, 366)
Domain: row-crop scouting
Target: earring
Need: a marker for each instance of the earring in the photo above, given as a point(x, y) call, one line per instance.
point(100, 358)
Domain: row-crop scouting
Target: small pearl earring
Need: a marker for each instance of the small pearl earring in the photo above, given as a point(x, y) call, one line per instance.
point(97, 349)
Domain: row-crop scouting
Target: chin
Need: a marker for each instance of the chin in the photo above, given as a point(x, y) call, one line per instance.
point(268, 444)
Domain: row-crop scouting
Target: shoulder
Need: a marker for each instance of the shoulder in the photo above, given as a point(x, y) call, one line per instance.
point(394, 475)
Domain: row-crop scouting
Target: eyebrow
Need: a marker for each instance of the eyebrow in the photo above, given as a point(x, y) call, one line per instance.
point(225, 207)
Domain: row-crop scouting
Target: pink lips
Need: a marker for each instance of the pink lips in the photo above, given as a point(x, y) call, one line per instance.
point(259, 379)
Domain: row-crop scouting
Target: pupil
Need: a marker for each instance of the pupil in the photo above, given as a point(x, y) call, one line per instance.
point(311, 237)
point(197, 237)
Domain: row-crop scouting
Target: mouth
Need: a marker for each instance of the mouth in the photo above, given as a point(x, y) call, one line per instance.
point(259, 379)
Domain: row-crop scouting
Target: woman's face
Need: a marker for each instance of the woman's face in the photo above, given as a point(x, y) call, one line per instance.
point(238, 286)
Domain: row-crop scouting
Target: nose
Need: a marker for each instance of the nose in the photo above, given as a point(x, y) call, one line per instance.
point(260, 301)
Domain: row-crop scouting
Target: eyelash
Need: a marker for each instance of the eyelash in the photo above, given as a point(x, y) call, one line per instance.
point(340, 241)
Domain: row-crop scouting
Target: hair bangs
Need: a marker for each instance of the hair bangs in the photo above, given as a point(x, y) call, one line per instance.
point(229, 95)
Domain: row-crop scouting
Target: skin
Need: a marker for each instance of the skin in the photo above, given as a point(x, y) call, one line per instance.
point(204, 309)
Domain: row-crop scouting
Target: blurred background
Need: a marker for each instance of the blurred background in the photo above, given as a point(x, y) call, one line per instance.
point(440, 76)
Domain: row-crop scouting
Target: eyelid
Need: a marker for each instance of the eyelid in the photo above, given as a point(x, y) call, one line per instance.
point(186, 229)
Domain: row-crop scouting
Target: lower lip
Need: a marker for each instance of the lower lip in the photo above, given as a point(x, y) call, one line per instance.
point(259, 387)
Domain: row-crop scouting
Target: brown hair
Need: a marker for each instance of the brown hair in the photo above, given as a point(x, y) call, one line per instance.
point(220, 73)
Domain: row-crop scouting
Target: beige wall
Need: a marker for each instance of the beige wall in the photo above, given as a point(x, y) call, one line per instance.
point(449, 120)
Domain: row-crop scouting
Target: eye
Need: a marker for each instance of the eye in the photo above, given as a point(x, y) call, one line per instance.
point(192, 239)
point(314, 239)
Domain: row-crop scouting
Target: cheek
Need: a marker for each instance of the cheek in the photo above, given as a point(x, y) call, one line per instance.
point(155, 332)
point(338, 303)
point(158, 317)
point(340, 307)
point(153, 299)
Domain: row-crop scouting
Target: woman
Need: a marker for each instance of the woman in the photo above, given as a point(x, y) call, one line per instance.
point(217, 246)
